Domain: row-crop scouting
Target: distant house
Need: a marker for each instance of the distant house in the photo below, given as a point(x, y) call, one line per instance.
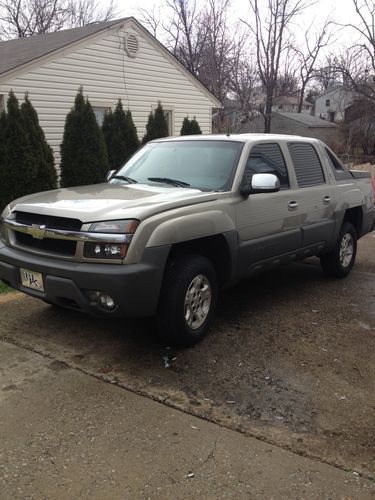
point(111, 60)
point(289, 104)
point(296, 124)
point(332, 104)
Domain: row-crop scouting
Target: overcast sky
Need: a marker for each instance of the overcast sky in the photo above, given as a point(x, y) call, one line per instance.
point(343, 10)
point(340, 11)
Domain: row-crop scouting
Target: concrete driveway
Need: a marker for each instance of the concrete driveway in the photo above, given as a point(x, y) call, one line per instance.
point(290, 360)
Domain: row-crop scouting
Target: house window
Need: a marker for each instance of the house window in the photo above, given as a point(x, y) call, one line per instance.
point(100, 111)
point(328, 102)
point(2, 103)
point(280, 106)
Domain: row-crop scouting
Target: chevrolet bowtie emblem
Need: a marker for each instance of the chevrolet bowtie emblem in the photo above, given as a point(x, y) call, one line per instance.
point(37, 232)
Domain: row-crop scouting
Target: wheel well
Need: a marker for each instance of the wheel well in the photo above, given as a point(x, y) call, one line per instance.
point(354, 216)
point(215, 248)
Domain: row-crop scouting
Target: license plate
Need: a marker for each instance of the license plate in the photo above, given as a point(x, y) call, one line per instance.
point(31, 279)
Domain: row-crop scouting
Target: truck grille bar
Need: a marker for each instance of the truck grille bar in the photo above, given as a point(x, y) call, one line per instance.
point(40, 232)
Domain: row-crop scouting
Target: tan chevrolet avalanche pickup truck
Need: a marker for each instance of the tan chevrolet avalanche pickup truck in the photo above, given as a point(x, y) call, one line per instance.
point(182, 219)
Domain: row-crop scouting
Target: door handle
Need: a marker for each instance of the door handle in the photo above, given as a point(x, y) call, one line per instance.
point(326, 200)
point(292, 205)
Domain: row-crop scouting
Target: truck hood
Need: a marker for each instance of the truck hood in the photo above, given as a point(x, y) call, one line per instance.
point(110, 201)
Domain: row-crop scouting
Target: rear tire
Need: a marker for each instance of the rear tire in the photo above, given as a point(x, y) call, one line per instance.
point(187, 300)
point(339, 262)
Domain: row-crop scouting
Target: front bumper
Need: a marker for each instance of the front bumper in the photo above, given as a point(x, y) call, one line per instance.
point(134, 287)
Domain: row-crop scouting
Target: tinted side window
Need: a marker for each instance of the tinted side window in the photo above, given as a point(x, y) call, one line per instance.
point(267, 159)
point(307, 165)
point(339, 171)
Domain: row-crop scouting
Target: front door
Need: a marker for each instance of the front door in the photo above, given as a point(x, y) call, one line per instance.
point(269, 228)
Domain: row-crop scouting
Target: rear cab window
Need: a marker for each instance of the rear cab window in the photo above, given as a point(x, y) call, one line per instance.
point(307, 166)
point(267, 158)
point(339, 171)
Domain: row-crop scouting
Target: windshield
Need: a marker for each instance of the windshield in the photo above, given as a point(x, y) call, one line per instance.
point(205, 165)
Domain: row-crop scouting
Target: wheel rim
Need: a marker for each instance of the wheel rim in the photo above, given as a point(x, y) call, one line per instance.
point(346, 250)
point(198, 300)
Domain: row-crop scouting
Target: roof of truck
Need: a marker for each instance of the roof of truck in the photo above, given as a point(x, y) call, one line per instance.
point(238, 137)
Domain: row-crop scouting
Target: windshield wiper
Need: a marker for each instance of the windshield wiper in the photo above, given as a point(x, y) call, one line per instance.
point(124, 178)
point(167, 180)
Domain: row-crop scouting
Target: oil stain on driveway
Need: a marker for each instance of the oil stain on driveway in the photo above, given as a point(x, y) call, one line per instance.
point(290, 358)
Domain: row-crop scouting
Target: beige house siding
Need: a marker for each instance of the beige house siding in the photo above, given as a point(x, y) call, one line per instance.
point(101, 65)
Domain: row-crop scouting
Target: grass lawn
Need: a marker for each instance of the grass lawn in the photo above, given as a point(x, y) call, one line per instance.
point(4, 288)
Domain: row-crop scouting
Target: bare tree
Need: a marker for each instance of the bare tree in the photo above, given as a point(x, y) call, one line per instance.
point(244, 82)
point(21, 18)
point(357, 64)
point(287, 84)
point(307, 56)
point(186, 32)
point(151, 19)
point(83, 12)
point(325, 75)
point(219, 52)
point(200, 36)
point(359, 126)
point(271, 36)
point(182, 28)
point(365, 10)
point(287, 80)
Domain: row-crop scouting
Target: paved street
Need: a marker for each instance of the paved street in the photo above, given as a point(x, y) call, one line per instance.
point(66, 434)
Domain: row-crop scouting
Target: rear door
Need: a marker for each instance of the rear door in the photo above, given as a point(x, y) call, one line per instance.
point(313, 198)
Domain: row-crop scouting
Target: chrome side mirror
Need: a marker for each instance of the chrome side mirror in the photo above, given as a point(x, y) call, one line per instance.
point(265, 183)
point(110, 174)
point(260, 183)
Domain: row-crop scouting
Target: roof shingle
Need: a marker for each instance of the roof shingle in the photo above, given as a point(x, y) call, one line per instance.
point(308, 120)
point(15, 53)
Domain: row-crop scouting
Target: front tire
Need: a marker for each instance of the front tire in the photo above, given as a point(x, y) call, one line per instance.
point(187, 300)
point(339, 262)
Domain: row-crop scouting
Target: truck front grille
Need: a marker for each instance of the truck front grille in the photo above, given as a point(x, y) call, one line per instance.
point(48, 245)
point(49, 221)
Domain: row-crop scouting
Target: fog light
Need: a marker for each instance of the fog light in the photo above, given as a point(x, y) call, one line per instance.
point(101, 299)
point(106, 301)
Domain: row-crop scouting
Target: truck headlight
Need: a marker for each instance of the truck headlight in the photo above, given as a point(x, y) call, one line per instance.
point(107, 249)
